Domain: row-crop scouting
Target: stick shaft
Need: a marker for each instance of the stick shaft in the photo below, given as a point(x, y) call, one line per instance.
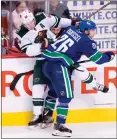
point(99, 9)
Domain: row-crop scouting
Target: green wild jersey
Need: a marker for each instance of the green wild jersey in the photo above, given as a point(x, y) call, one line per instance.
point(26, 38)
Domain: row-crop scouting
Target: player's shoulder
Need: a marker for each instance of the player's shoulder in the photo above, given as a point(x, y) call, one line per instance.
point(86, 38)
point(89, 41)
point(22, 31)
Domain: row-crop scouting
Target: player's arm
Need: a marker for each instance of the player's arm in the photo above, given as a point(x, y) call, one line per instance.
point(31, 49)
point(54, 21)
point(90, 50)
point(28, 47)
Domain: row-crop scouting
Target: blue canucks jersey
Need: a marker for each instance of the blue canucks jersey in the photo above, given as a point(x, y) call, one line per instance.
point(74, 44)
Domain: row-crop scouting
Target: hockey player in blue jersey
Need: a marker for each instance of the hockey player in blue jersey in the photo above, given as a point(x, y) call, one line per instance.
point(74, 44)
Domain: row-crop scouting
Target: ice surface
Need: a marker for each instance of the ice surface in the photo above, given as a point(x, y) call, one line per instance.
point(81, 130)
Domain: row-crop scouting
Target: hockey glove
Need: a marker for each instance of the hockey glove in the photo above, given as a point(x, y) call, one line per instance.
point(110, 54)
point(44, 44)
point(76, 21)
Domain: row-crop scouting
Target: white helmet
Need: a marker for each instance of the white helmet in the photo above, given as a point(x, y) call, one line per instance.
point(26, 17)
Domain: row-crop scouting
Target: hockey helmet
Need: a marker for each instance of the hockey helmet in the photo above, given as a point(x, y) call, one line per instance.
point(26, 17)
point(87, 24)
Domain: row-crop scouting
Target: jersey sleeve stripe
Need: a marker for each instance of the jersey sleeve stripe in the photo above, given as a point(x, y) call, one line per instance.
point(57, 22)
point(98, 59)
point(96, 56)
point(25, 46)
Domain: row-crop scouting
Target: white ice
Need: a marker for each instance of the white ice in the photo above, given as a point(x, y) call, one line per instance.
point(81, 130)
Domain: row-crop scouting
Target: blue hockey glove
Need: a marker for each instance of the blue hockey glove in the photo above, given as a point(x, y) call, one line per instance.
point(110, 54)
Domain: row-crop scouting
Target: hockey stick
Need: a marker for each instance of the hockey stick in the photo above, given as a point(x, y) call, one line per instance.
point(84, 61)
point(77, 64)
point(18, 76)
point(100, 9)
point(16, 79)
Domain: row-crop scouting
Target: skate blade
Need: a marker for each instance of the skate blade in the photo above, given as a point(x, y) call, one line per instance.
point(107, 92)
point(34, 126)
point(43, 126)
point(62, 134)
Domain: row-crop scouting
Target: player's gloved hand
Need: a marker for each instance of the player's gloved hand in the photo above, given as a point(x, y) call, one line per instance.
point(110, 54)
point(44, 44)
point(41, 36)
point(76, 20)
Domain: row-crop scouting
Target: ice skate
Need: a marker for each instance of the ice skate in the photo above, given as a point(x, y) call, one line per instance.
point(60, 130)
point(47, 119)
point(35, 122)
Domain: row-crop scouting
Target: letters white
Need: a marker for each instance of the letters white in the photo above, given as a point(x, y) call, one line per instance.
point(67, 42)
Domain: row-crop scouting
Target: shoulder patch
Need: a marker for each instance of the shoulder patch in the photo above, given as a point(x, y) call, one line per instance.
point(94, 46)
point(22, 31)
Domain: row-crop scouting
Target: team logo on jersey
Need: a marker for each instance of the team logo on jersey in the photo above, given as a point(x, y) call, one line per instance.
point(94, 46)
point(88, 23)
point(62, 93)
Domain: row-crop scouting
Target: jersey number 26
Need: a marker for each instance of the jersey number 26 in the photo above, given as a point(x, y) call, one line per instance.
point(65, 43)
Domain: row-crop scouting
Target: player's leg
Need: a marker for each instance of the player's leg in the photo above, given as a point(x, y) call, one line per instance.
point(88, 78)
point(61, 82)
point(49, 107)
point(65, 95)
point(50, 101)
point(37, 94)
point(62, 112)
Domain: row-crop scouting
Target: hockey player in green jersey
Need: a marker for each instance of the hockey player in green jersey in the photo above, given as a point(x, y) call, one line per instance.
point(30, 37)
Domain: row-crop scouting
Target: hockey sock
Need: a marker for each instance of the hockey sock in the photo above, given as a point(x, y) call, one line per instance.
point(38, 99)
point(50, 103)
point(37, 104)
point(62, 110)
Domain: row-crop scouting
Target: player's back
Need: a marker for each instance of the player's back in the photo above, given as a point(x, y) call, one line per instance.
point(71, 43)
